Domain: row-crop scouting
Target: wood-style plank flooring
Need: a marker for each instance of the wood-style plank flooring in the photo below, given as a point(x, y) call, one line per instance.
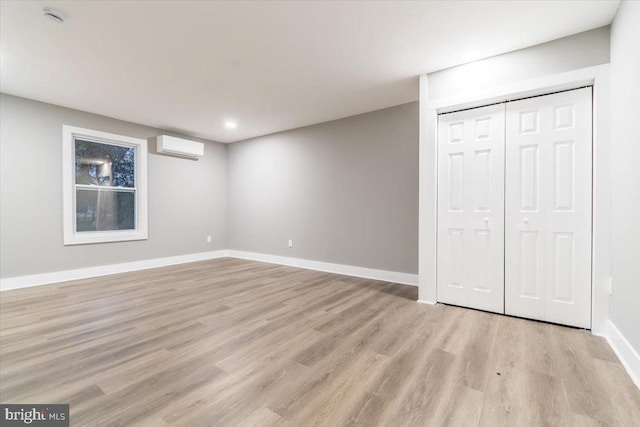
point(240, 343)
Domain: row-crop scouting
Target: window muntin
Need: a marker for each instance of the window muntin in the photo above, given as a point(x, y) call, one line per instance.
point(105, 199)
point(105, 186)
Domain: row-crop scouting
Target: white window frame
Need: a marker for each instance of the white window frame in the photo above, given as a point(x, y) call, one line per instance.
point(71, 237)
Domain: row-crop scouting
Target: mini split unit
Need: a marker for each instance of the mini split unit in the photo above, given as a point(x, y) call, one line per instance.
point(173, 146)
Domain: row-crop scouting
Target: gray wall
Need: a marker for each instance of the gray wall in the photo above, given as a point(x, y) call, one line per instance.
point(568, 53)
point(581, 50)
point(187, 199)
point(625, 102)
point(345, 191)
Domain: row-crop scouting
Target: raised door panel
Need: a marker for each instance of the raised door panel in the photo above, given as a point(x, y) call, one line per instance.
point(548, 208)
point(471, 208)
point(524, 219)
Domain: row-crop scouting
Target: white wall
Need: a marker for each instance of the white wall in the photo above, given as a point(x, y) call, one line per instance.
point(625, 243)
point(187, 199)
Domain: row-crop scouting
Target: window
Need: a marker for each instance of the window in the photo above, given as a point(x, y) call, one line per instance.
point(105, 187)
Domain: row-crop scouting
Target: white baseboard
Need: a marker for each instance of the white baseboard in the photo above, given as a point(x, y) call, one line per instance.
point(626, 353)
point(623, 349)
point(103, 270)
point(421, 301)
point(347, 270)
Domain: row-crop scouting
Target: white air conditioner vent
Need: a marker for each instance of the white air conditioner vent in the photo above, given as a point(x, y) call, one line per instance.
point(179, 147)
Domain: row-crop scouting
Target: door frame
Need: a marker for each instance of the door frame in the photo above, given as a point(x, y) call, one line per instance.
point(596, 76)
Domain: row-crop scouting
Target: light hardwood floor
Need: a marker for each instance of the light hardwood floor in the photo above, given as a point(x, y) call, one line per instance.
point(238, 343)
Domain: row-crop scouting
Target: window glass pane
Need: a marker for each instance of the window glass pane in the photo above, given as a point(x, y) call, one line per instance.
point(101, 210)
point(104, 164)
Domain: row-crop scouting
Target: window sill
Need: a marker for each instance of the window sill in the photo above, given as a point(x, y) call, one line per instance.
point(103, 237)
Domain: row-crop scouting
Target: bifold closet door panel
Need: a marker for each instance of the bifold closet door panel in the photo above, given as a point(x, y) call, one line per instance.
point(548, 208)
point(470, 266)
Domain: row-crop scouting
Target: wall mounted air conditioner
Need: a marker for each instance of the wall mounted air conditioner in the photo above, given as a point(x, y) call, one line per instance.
point(179, 147)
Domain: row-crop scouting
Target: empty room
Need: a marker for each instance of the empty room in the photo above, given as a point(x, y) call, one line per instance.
point(320, 213)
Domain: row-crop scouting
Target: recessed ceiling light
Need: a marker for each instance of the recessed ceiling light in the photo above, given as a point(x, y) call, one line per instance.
point(54, 15)
point(230, 125)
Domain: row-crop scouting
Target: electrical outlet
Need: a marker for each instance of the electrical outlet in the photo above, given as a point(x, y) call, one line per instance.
point(290, 243)
point(610, 285)
point(209, 239)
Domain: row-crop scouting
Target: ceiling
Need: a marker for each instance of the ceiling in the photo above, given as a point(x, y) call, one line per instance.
point(189, 66)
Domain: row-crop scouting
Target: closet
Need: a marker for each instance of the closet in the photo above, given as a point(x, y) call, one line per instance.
point(514, 208)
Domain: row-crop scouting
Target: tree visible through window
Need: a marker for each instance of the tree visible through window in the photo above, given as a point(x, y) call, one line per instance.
point(105, 186)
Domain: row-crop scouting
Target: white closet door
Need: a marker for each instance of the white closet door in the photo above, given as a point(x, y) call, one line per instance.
point(471, 208)
point(548, 208)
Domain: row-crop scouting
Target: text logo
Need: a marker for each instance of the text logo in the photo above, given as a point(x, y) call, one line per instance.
point(40, 415)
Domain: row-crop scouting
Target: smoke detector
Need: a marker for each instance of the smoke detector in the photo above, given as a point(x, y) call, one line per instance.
point(54, 15)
